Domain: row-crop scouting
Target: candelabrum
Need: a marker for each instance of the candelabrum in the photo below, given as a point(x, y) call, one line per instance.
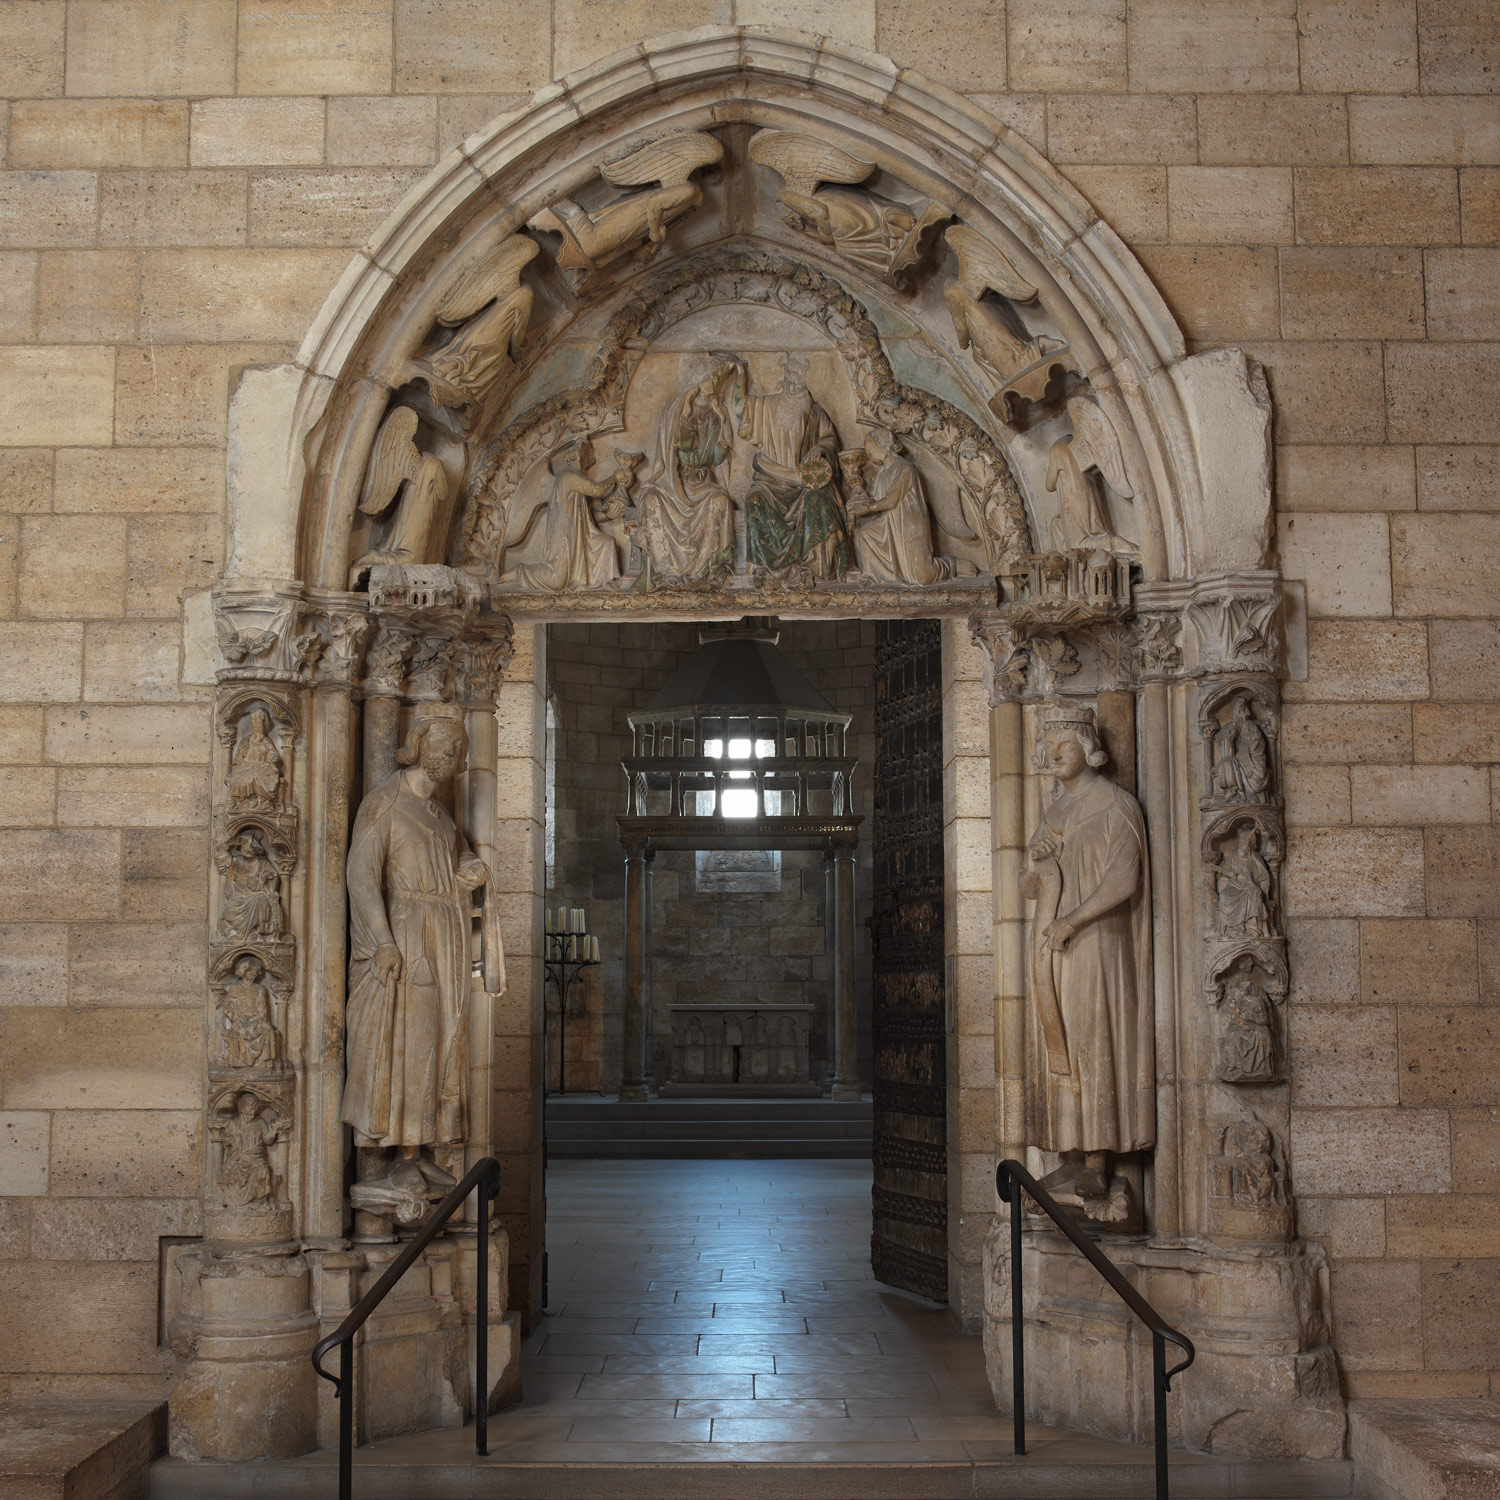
point(570, 949)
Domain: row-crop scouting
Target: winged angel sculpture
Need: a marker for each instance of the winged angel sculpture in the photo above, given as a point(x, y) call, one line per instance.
point(591, 241)
point(396, 463)
point(1071, 466)
point(490, 308)
point(867, 231)
point(990, 331)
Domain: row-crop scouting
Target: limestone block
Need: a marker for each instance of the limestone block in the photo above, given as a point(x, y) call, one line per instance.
point(1358, 46)
point(177, 47)
point(1479, 196)
point(1463, 871)
point(20, 736)
point(51, 395)
point(850, 21)
point(132, 662)
point(172, 208)
point(130, 797)
point(1377, 1315)
point(1457, 1297)
point(1351, 1228)
point(323, 208)
point(1344, 559)
point(88, 1317)
point(382, 132)
point(1078, 46)
point(139, 480)
point(1463, 294)
point(31, 48)
point(1456, 732)
point(1458, 478)
point(257, 132)
point(1376, 206)
point(1214, 47)
point(1394, 795)
point(165, 874)
point(1370, 1151)
point(10, 543)
point(1132, 200)
point(236, 293)
point(1355, 872)
point(130, 1153)
point(178, 393)
point(72, 567)
point(15, 1229)
point(28, 797)
point(1336, 476)
point(24, 1136)
point(1289, 129)
point(1325, 392)
point(86, 296)
point(583, 33)
point(33, 963)
point(98, 133)
point(1358, 292)
point(967, 51)
point(1354, 659)
point(1460, 52)
point(161, 734)
point(1121, 129)
point(138, 964)
point(1447, 1057)
point(47, 208)
point(44, 663)
point(25, 480)
point(1341, 1058)
point(1465, 660)
point(18, 273)
point(1422, 962)
point(1443, 1228)
point(1476, 1151)
point(461, 115)
point(1217, 205)
point(1025, 114)
point(314, 47)
point(1324, 960)
point(147, 1058)
point(455, 47)
point(69, 1229)
point(1317, 796)
point(1217, 291)
point(1418, 131)
point(1443, 564)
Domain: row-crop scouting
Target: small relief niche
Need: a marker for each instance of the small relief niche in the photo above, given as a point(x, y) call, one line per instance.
point(1239, 726)
point(1247, 1183)
point(252, 988)
point(1246, 986)
point(1242, 853)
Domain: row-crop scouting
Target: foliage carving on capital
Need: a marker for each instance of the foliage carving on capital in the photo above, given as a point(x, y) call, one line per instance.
point(1237, 622)
point(265, 635)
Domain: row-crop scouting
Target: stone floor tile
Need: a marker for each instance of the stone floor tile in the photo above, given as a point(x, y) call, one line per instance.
point(645, 1387)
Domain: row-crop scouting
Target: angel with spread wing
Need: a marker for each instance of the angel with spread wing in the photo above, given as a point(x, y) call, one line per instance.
point(1072, 464)
point(396, 463)
point(879, 236)
point(491, 309)
point(591, 241)
point(987, 329)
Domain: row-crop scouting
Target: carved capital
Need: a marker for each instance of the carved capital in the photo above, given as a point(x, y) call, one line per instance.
point(1006, 659)
point(385, 661)
point(1236, 620)
point(265, 634)
point(348, 631)
point(485, 651)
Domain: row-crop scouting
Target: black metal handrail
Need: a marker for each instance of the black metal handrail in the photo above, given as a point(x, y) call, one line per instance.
point(1011, 1178)
point(484, 1175)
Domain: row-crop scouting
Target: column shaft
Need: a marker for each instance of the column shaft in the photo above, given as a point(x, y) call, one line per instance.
point(846, 1070)
point(633, 1085)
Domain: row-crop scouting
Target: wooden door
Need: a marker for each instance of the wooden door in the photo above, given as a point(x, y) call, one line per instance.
point(909, 1241)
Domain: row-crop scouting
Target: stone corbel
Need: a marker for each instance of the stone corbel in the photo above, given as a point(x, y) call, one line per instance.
point(265, 634)
point(1236, 623)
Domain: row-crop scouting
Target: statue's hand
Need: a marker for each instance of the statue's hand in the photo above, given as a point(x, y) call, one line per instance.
point(387, 963)
point(472, 875)
point(1058, 934)
point(1042, 848)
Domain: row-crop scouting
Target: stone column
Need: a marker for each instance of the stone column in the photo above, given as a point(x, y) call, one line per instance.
point(386, 667)
point(634, 1087)
point(845, 1015)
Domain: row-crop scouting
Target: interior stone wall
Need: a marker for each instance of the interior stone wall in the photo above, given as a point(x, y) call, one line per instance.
point(1318, 182)
point(743, 947)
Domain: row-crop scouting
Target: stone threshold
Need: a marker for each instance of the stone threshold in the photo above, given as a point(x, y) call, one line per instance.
point(1427, 1450)
point(59, 1449)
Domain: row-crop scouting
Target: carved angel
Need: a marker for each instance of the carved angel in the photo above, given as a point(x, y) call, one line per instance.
point(591, 241)
point(490, 308)
point(396, 463)
point(1071, 465)
point(882, 237)
point(989, 330)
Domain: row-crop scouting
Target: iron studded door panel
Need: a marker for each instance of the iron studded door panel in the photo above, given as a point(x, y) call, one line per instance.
point(909, 1242)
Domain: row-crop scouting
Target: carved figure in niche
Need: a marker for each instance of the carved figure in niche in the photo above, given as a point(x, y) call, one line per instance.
point(879, 236)
point(1243, 885)
point(245, 1139)
point(888, 511)
point(1247, 1038)
point(1241, 757)
point(1247, 1172)
point(396, 463)
point(251, 903)
point(576, 554)
point(255, 766)
point(990, 330)
point(793, 514)
point(1091, 962)
point(686, 525)
point(250, 1038)
point(491, 309)
point(410, 874)
point(590, 241)
point(1072, 463)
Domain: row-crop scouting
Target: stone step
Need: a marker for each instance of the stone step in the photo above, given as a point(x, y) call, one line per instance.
point(1427, 1450)
point(78, 1450)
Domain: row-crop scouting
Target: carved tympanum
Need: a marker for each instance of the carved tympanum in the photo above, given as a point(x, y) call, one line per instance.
point(891, 522)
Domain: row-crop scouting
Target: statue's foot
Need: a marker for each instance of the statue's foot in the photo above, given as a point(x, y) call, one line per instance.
point(1090, 1183)
point(434, 1175)
point(1061, 1179)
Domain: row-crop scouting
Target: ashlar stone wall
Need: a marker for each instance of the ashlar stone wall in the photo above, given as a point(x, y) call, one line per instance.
point(1316, 180)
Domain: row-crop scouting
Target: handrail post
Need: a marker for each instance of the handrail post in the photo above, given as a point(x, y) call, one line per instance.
point(1017, 1323)
point(482, 1323)
point(346, 1419)
point(1159, 1387)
